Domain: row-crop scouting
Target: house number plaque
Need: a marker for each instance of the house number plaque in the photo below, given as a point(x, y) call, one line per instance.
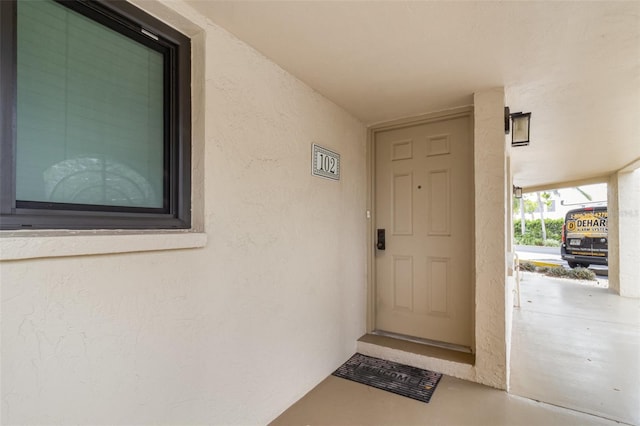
point(325, 163)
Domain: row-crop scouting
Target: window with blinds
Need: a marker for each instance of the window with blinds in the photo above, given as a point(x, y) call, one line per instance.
point(100, 117)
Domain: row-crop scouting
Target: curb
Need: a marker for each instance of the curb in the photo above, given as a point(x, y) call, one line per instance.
point(541, 264)
point(601, 272)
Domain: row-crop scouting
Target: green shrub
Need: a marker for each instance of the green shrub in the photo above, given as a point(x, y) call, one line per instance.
point(552, 243)
point(533, 231)
point(526, 239)
point(577, 273)
point(527, 266)
point(557, 271)
point(583, 274)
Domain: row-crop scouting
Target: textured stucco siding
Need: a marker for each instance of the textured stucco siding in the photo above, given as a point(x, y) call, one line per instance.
point(230, 333)
point(490, 239)
point(624, 232)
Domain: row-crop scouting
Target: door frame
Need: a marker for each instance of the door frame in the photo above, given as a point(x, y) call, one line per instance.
point(372, 131)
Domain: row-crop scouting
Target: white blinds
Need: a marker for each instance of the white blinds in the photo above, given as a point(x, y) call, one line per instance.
point(90, 112)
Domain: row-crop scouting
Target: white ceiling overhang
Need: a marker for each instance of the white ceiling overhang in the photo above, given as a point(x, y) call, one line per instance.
point(574, 65)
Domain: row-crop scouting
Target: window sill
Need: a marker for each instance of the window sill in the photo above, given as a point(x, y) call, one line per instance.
point(32, 245)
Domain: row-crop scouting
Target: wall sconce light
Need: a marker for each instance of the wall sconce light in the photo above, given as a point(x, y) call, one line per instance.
point(517, 191)
point(521, 125)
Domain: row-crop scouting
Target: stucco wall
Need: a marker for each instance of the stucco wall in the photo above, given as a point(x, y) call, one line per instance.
point(629, 237)
point(491, 215)
point(613, 234)
point(624, 232)
point(231, 333)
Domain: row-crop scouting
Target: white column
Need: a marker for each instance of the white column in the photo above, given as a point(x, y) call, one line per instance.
point(624, 233)
point(629, 232)
point(613, 233)
point(490, 238)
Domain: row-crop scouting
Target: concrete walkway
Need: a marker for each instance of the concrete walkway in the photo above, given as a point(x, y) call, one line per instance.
point(577, 346)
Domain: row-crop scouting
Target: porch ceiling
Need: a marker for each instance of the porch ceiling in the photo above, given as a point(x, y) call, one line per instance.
point(574, 65)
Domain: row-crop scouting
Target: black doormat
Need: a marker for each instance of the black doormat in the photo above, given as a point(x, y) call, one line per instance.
point(400, 379)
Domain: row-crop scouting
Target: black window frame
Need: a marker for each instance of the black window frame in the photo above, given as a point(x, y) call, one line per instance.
point(136, 24)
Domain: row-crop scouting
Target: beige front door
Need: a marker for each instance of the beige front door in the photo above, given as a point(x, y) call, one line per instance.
point(424, 203)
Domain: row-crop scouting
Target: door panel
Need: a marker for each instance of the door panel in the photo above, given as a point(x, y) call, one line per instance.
point(402, 207)
point(438, 203)
point(403, 283)
point(424, 199)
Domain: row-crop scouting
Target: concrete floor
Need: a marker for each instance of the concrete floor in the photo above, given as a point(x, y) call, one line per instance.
point(337, 402)
point(577, 346)
point(574, 345)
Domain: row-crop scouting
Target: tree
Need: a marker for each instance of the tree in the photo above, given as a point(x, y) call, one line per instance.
point(541, 204)
point(523, 229)
point(530, 207)
point(586, 195)
point(527, 205)
point(541, 207)
point(518, 204)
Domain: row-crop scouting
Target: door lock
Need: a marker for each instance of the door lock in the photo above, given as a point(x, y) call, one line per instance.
point(380, 245)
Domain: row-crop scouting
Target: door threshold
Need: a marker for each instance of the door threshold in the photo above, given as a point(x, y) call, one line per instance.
point(421, 341)
point(418, 354)
point(389, 343)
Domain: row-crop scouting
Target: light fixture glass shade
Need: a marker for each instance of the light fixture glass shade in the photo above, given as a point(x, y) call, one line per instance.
point(520, 130)
point(517, 192)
